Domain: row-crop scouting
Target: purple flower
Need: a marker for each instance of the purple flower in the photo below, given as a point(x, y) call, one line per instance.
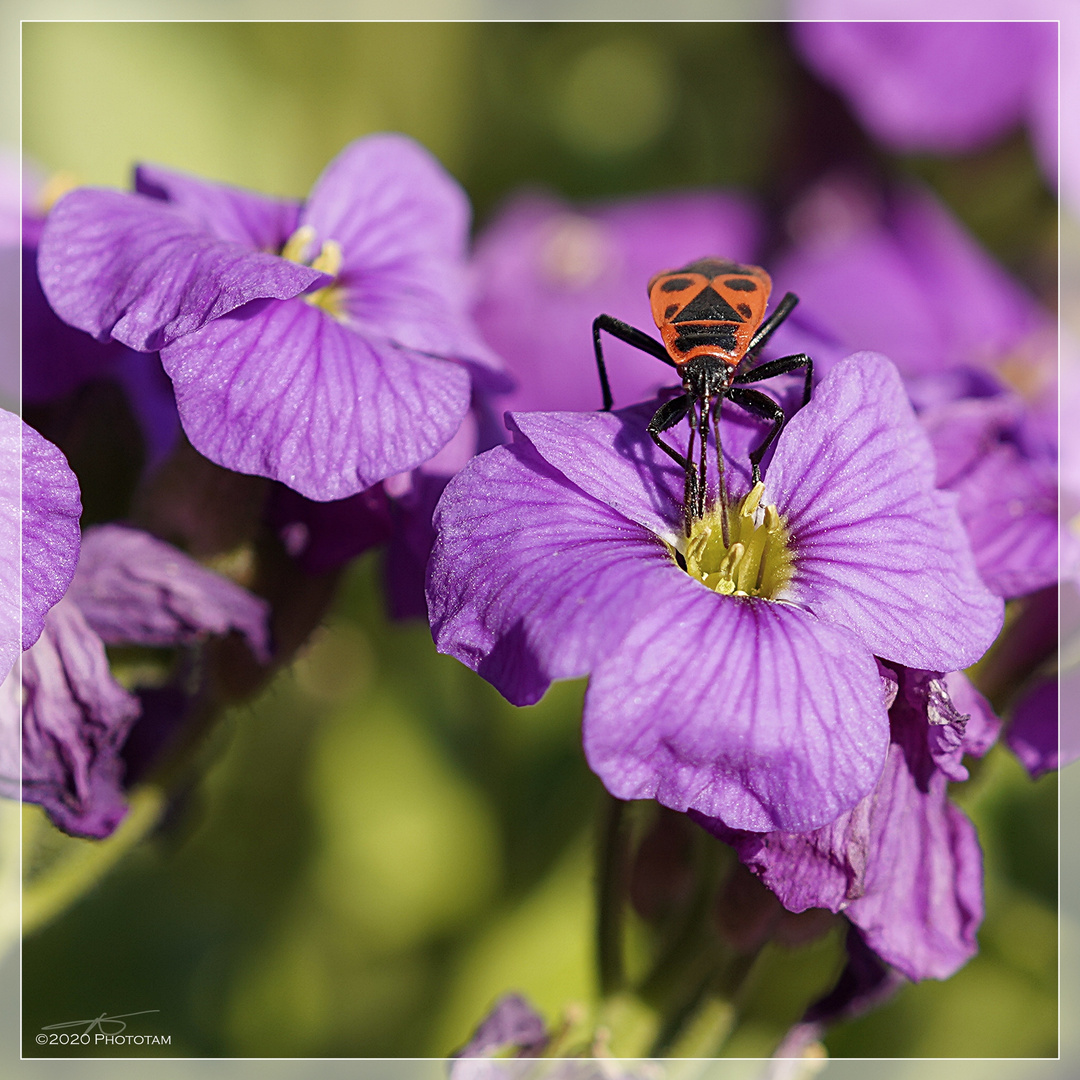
point(325, 345)
point(745, 688)
point(543, 270)
point(900, 275)
point(904, 864)
point(861, 269)
point(129, 588)
point(512, 1024)
point(938, 86)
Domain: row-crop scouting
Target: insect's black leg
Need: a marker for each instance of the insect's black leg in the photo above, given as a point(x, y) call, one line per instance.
point(781, 367)
point(760, 405)
point(765, 330)
point(632, 336)
point(665, 418)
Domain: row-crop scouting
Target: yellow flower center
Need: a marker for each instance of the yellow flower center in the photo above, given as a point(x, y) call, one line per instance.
point(331, 298)
point(751, 556)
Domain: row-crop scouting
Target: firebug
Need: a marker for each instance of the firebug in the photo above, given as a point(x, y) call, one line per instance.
point(711, 318)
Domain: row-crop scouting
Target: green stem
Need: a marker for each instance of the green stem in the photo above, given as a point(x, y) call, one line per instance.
point(701, 1026)
point(612, 870)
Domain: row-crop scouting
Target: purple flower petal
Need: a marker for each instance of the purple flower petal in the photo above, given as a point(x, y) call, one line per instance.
point(637, 478)
point(941, 86)
point(135, 589)
point(877, 549)
point(75, 720)
point(402, 223)
point(333, 414)
point(50, 524)
point(229, 213)
point(11, 735)
point(748, 711)
point(529, 579)
point(147, 273)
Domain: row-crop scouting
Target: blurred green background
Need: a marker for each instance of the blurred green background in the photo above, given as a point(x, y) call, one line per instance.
point(381, 845)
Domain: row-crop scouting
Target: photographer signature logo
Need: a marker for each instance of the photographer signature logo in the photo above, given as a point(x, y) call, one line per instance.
point(104, 1028)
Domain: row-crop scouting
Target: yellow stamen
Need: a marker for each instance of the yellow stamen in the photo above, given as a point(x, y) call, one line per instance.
point(756, 560)
point(330, 298)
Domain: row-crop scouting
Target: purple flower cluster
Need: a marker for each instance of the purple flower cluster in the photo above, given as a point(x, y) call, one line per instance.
point(784, 667)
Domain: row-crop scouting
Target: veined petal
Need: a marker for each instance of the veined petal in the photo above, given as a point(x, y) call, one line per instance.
point(135, 589)
point(532, 580)
point(877, 549)
point(748, 711)
point(603, 454)
point(285, 391)
point(606, 455)
point(146, 273)
point(257, 221)
point(402, 222)
point(51, 508)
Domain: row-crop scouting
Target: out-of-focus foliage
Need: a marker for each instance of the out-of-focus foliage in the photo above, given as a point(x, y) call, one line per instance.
point(380, 845)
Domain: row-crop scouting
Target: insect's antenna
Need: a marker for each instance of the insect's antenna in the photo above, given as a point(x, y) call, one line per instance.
point(721, 479)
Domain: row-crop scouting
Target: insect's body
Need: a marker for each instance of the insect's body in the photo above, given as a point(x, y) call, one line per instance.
point(711, 318)
point(709, 309)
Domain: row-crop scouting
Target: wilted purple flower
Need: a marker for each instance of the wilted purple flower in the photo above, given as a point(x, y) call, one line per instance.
point(744, 686)
point(324, 345)
point(864, 983)
point(904, 864)
point(129, 588)
point(543, 270)
point(938, 86)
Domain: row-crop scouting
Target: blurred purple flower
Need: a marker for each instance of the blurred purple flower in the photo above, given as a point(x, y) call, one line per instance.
point(904, 864)
point(128, 588)
point(555, 558)
point(1033, 734)
point(898, 274)
point(513, 1024)
point(324, 345)
point(945, 87)
point(543, 270)
point(903, 277)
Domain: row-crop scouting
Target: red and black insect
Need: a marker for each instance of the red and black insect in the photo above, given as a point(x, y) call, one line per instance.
point(711, 317)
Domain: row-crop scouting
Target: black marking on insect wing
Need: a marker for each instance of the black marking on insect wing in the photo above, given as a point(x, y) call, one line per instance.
point(741, 285)
point(676, 284)
point(722, 337)
point(710, 306)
